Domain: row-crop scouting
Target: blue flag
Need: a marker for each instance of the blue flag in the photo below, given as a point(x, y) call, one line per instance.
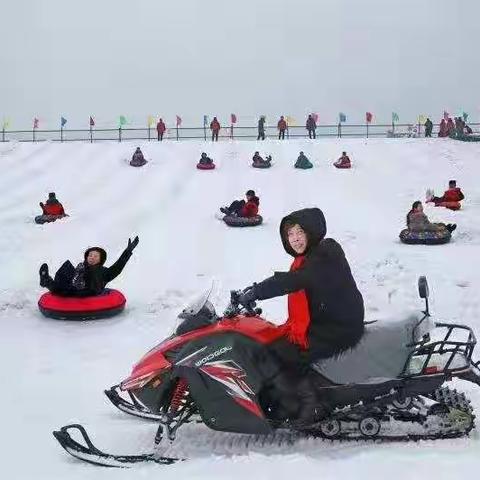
point(63, 121)
point(342, 117)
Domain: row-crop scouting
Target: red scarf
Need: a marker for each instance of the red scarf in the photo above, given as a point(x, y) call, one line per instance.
point(296, 327)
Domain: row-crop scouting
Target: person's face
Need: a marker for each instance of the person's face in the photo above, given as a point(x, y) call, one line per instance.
point(419, 208)
point(249, 197)
point(297, 238)
point(93, 258)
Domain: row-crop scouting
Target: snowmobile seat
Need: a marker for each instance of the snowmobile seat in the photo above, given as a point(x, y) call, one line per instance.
point(109, 303)
point(380, 355)
point(233, 221)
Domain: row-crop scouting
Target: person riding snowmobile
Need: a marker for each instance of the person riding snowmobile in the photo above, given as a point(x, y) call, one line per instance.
point(325, 307)
point(90, 277)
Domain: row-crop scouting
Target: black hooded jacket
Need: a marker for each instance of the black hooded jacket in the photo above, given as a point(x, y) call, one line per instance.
point(335, 304)
point(97, 276)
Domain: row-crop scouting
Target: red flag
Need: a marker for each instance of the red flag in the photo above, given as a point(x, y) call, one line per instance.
point(315, 117)
point(179, 121)
point(369, 117)
point(35, 122)
point(92, 122)
point(445, 115)
point(233, 118)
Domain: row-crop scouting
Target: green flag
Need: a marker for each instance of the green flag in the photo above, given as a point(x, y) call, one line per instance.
point(395, 117)
point(122, 120)
point(465, 116)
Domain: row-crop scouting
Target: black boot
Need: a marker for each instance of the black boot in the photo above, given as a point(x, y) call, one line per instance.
point(45, 278)
point(311, 408)
point(451, 227)
point(225, 210)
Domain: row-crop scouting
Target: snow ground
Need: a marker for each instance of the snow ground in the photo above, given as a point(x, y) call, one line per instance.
point(55, 372)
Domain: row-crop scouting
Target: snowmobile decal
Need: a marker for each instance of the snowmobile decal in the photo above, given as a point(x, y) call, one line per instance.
point(231, 375)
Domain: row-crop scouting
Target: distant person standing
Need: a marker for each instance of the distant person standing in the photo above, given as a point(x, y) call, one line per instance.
point(161, 127)
point(311, 127)
point(215, 128)
point(261, 128)
point(428, 128)
point(282, 126)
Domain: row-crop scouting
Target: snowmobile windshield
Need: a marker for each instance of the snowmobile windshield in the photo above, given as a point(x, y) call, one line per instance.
point(198, 314)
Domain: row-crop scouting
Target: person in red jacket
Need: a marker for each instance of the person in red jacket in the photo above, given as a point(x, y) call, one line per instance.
point(282, 126)
point(215, 128)
point(450, 127)
point(343, 161)
point(52, 206)
point(242, 208)
point(161, 127)
point(453, 194)
point(443, 129)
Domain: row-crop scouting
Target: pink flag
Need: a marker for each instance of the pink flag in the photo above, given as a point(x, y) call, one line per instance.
point(92, 122)
point(445, 115)
point(179, 121)
point(369, 117)
point(315, 117)
point(233, 118)
point(35, 122)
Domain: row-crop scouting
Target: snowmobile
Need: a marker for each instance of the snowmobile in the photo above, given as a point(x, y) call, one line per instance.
point(391, 386)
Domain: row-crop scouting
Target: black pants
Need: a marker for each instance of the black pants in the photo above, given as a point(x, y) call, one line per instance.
point(160, 136)
point(236, 207)
point(312, 134)
point(428, 133)
point(281, 135)
point(261, 135)
point(214, 136)
point(62, 283)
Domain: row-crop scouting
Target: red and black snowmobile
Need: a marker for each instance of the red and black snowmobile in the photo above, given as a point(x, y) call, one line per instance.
point(213, 370)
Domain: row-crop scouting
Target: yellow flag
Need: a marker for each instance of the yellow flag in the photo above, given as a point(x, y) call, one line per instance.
point(290, 120)
point(6, 124)
point(150, 121)
point(422, 119)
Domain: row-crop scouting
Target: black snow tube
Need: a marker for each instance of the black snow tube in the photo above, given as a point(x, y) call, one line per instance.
point(468, 138)
point(261, 164)
point(425, 238)
point(233, 221)
point(41, 219)
point(109, 303)
point(138, 163)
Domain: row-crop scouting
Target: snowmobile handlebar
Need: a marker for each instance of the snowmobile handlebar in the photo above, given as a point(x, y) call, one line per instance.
point(235, 308)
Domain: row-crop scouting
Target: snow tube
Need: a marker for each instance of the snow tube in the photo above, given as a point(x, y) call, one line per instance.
point(468, 138)
point(344, 165)
point(425, 238)
point(138, 163)
point(41, 219)
point(107, 304)
point(304, 166)
point(205, 166)
point(449, 205)
point(233, 221)
point(261, 164)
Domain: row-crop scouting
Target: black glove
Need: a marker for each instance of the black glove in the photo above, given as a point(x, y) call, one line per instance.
point(248, 296)
point(131, 245)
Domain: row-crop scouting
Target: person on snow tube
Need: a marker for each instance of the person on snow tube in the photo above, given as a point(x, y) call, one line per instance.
point(205, 160)
point(343, 161)
point(52, 206)
point(417, 221)
point(90, 277)
point(259, 161)
point(138, 160)
point(325, 307)
point(242, 208)
point(303, 161)
point(450, 199)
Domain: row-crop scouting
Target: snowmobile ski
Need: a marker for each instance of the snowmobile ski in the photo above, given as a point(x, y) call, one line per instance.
point(91, 454)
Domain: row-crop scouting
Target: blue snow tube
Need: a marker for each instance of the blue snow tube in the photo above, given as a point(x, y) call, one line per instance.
point(425, 238)
point(233, 221)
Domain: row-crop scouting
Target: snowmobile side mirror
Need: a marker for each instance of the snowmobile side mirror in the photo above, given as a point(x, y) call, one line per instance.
point(424, 291)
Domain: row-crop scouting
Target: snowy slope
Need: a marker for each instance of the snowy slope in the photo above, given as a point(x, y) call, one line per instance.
point(54, 372)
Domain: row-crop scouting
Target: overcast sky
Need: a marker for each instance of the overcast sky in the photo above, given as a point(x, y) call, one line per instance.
point(249, 57)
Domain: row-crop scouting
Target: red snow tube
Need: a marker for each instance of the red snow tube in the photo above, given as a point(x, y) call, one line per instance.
point(107, 304)
point(205, 166)
point(450, 205)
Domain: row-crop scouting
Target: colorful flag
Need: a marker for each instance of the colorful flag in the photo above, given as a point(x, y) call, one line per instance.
point(6, 124)
point(465, 116)
point(233, 118)
point(179, 121)
point(342, 117)
point(63, 121)
point(290, 120)
point(395, 117)
point(422, 119)
point(445, 115)
point(35, 122)
point(369, 117)
point(122, 120)
point(150, 121)
point(315, 117)
point(92, 122)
